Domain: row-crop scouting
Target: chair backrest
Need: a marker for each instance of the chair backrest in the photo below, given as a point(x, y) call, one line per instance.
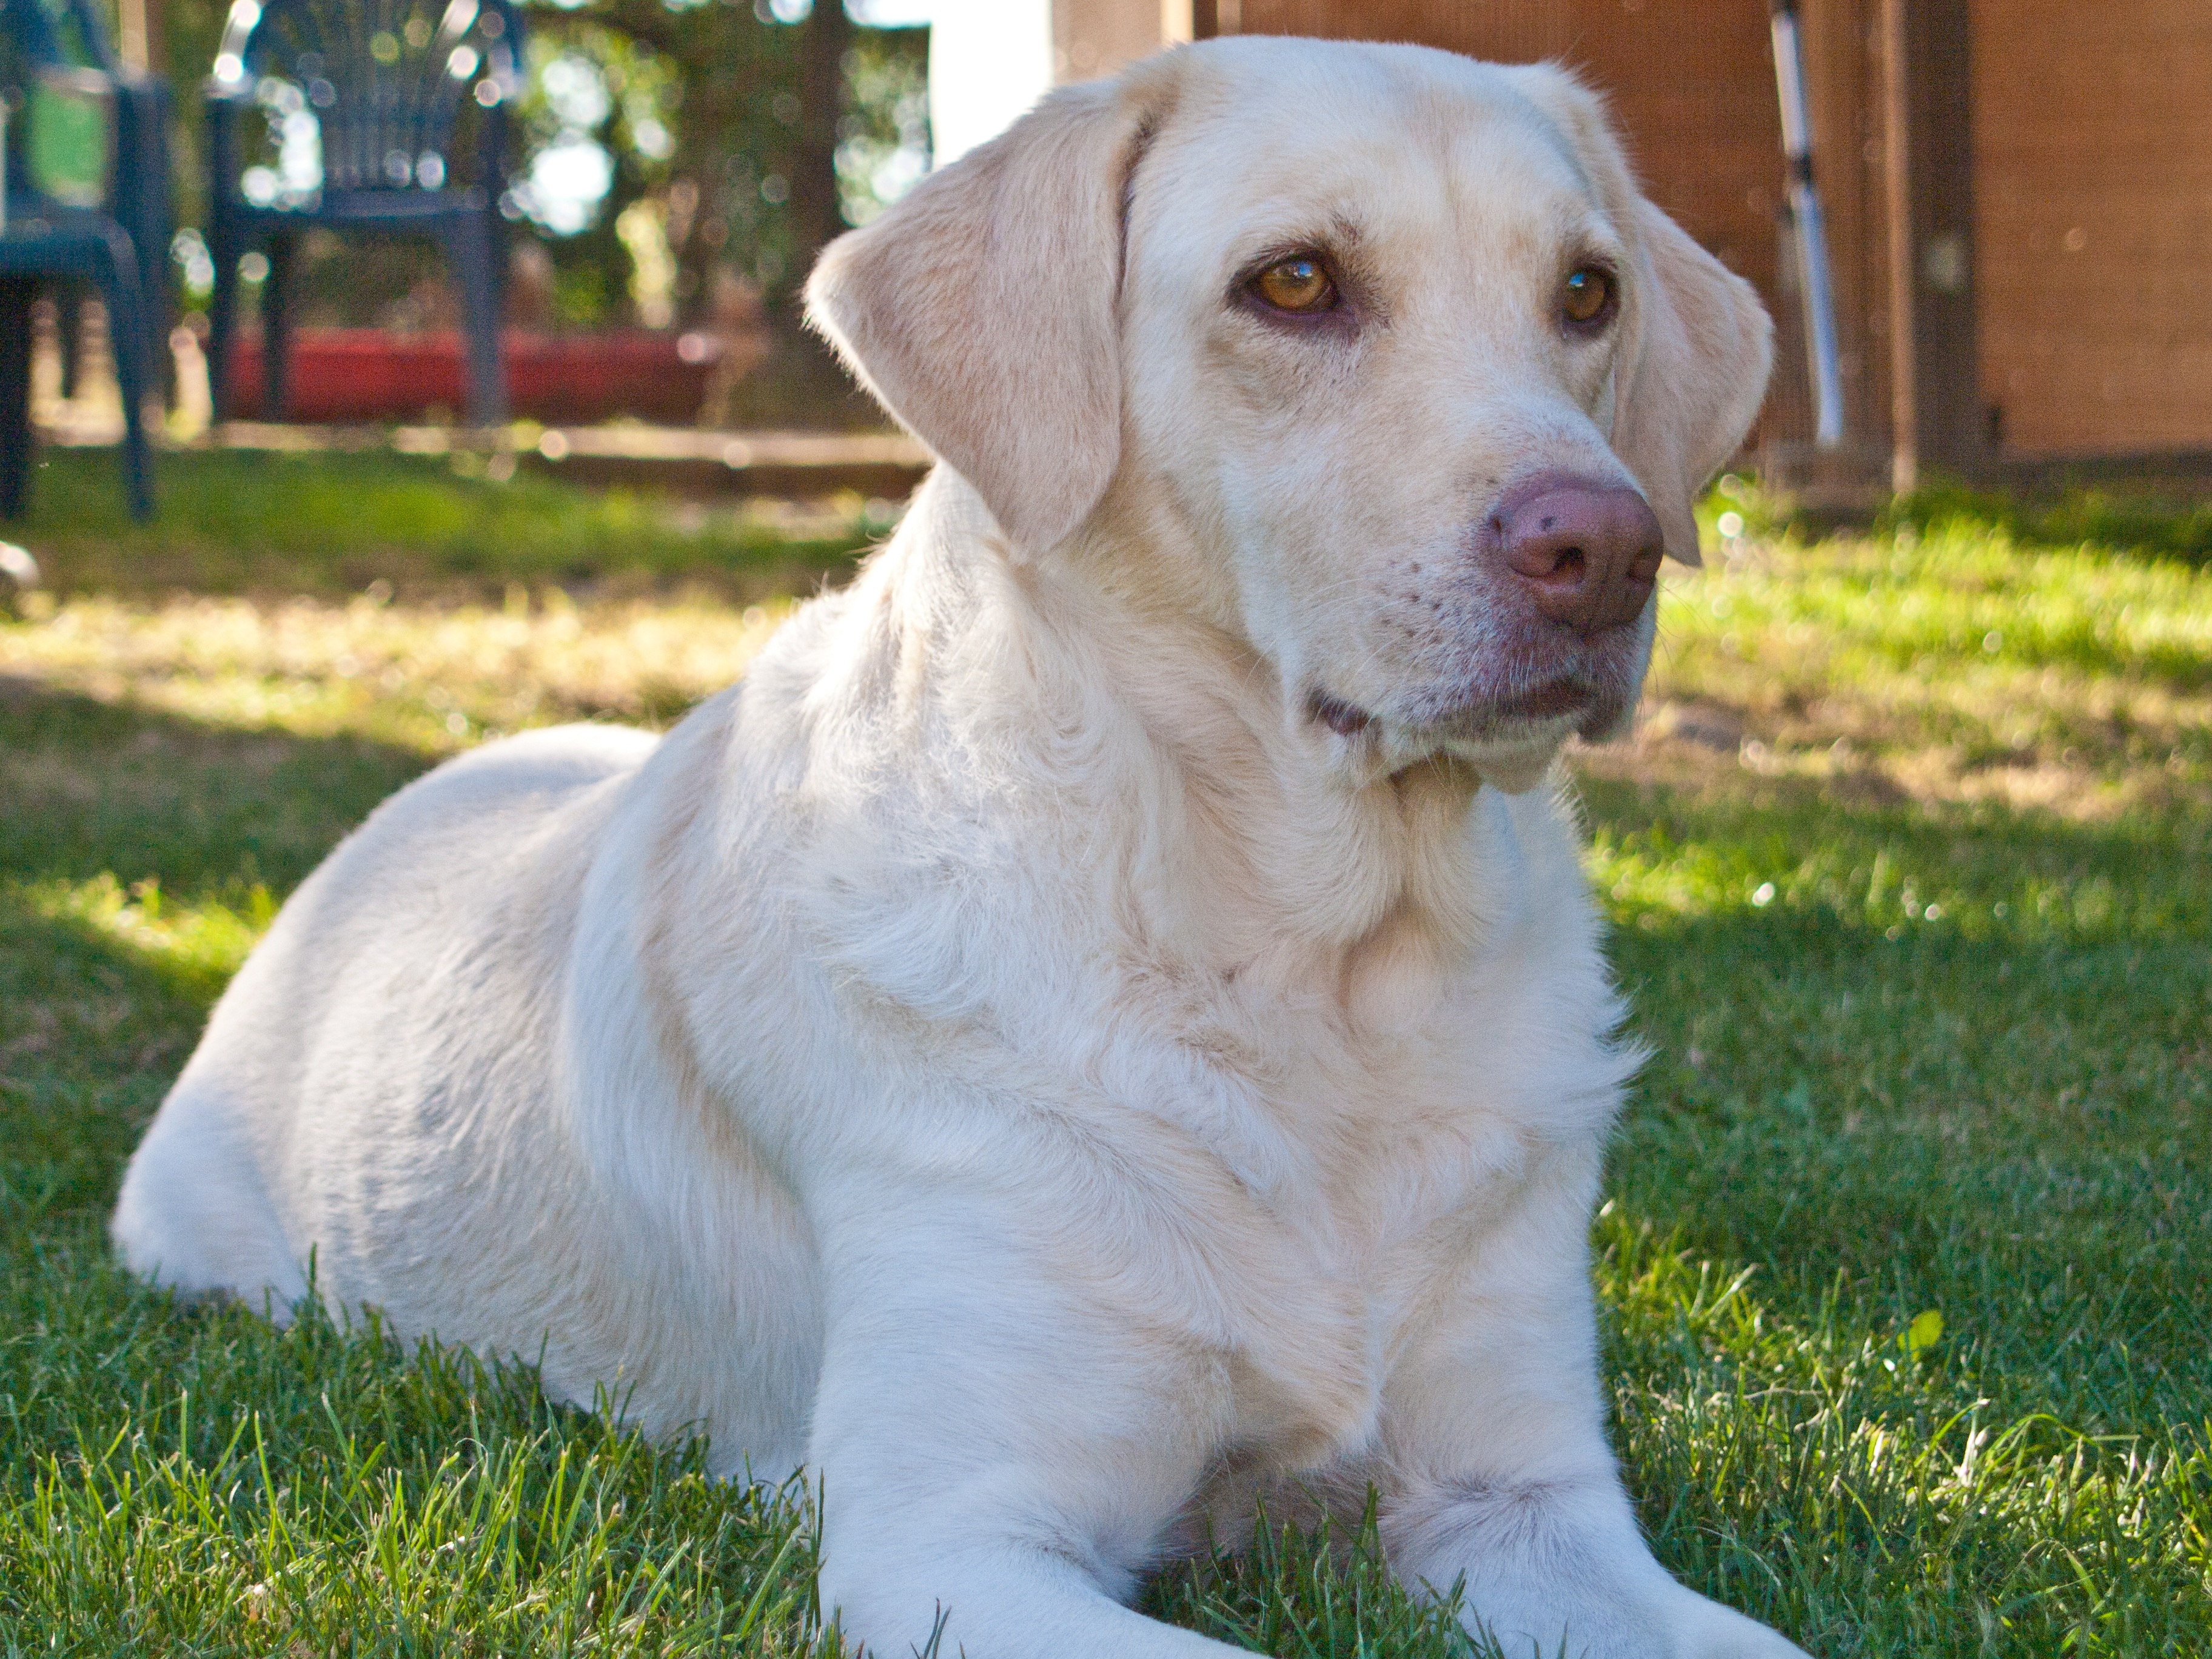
point(57, 73)
point(382, 80)
point(51, 34)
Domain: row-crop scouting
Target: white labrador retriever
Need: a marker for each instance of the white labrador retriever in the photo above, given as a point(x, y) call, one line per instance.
point(1107, 1015)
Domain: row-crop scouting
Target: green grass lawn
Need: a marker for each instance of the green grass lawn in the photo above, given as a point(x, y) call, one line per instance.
point(426, 526)
point(1906, 1263)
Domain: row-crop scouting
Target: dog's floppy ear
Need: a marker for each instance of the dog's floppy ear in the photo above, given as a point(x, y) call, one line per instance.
point(1695, 374)
point(981, 310)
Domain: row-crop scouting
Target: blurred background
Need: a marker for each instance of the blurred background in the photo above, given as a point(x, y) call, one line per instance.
point(670, 170)
point(1980, 275)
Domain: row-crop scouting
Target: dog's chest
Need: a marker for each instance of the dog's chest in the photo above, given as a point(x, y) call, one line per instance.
point(1376, 1167)
point(1360, 1141)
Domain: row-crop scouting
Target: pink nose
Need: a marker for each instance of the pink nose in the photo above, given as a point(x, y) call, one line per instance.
point(1586, 551)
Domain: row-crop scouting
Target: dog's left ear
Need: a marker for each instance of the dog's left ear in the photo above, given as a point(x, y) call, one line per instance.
point(1696, 375)
point(981, 310)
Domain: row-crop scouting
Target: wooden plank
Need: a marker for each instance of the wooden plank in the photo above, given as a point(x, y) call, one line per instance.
point(1953, 428)
point(2093, 223)
point(1101, 37)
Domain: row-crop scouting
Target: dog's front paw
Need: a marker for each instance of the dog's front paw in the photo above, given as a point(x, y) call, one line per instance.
point(1676, 1624)
point(1711, 1631)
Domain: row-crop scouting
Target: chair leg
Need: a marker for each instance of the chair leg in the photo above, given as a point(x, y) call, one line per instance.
point(471, 243)
point(128, 342)
point(223, 314)
point(17, 294)
point(276, 331)
point(68, 332)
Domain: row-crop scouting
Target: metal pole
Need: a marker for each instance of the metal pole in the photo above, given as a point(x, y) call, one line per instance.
point(1811, 230)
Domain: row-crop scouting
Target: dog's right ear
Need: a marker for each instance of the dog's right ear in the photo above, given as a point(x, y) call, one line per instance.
point(1698, 378)
point(982, 309)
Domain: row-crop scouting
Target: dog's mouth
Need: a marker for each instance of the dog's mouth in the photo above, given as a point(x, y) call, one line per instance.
point(1569, 694)
point(1541, 714)
point(1518, 733)
point(1500, 680)
point(1345, 720)
point(1563, 698)
point(1532, 683)
point(1550, 709)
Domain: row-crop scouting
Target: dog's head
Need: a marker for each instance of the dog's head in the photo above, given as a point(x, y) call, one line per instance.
point(1380, 347)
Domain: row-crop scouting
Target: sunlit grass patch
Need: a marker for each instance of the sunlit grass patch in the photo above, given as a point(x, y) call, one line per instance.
point(429, 677)
point(1894, 871)
point(2137, 521)
point(196, 943)
point(321, 1491)
point(1956, 666)
point(2011, 1528)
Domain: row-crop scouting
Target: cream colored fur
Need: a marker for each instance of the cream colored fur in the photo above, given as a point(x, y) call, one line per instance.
point(1008, 1056)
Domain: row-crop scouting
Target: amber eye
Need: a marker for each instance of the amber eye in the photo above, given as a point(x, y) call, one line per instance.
point(1296, 284)
point(1587, 295)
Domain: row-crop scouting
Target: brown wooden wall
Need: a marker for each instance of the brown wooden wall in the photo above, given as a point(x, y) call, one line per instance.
point(2092, 224)
point(1692, 82)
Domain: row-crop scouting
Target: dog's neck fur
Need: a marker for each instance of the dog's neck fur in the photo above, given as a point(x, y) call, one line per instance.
point(1268, 850)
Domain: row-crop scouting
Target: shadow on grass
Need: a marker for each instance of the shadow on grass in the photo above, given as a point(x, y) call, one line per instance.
point(91, 1036)
point(88, 788)
point(2002, 1114)
point(99, 801)
point(330, 524)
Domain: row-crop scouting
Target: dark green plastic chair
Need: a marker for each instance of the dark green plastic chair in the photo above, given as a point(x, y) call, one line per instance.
point(87, 201)
point(380, 84)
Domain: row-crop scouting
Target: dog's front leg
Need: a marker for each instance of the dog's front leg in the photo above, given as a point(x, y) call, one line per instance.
point(1495, 1470)
point(998, 1447)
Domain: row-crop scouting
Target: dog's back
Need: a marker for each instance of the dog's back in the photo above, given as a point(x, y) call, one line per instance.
point(245, 1140)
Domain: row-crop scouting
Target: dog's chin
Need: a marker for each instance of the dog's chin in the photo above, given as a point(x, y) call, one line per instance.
point(1513, 751)
point(1505, 714)
point(1511, 737)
